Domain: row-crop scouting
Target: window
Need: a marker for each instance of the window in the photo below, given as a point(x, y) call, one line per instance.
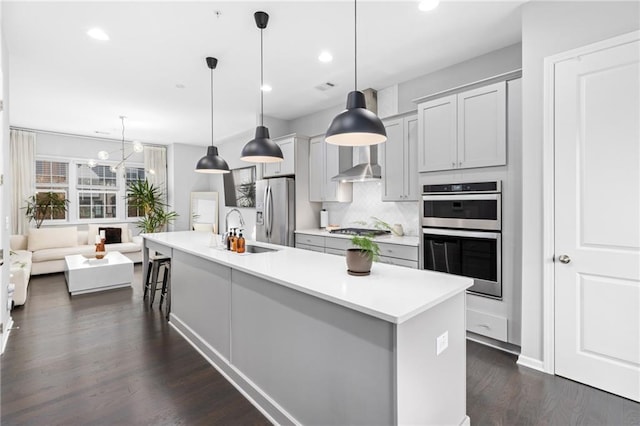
point(52, 176)
point(134, 174)
point(97, 192)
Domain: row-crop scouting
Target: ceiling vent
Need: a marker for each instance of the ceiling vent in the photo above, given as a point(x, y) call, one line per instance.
point(325, 86)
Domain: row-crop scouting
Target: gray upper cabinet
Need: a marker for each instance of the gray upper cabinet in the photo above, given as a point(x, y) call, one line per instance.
point(326, 161)
point(399, 159)
point(464, 130)
point(285, 167)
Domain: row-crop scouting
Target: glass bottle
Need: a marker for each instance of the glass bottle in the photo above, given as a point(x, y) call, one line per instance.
point(240, 245)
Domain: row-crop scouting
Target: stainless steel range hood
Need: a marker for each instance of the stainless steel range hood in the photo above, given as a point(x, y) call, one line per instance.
point(367, 168)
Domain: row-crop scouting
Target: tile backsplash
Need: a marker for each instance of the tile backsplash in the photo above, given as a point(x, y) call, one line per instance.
point(367, 202)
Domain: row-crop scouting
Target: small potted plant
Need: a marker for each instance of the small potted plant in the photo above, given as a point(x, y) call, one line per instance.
point(361, 256)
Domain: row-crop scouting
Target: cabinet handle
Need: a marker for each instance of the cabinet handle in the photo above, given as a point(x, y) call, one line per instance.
point(453, 164)
point(460, 163)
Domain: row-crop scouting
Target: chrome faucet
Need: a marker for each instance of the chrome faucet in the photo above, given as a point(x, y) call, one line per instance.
point(226, 222)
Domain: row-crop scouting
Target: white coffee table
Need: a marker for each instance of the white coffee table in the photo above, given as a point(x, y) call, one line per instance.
point(83, 276)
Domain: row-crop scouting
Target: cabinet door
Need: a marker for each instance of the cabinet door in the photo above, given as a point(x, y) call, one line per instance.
point(332, 168)
point(411, 185)
point(482, 126)
point(270, 169)
point(437, 130)
point(392, 160)
point(287, 167)
point(316, 169)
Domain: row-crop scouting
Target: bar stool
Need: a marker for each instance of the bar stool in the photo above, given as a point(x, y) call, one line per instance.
point(151, 281)
point(166, 290)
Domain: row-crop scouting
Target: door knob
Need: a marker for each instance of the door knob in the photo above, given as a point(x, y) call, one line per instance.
point(563, 258)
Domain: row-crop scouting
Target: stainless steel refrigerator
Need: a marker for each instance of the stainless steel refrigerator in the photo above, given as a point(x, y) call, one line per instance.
point(275, 211)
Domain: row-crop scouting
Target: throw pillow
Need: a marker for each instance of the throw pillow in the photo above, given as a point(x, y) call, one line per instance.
point(112, 235)
point(93, 231)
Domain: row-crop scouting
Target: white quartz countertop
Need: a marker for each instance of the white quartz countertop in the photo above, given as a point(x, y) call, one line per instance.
point(391, 293)
point(388, 239)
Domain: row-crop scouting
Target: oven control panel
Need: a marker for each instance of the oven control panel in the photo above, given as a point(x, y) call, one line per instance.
point(493, 186)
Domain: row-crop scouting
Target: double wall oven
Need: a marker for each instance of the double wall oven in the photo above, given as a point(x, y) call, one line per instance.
point(462, 233)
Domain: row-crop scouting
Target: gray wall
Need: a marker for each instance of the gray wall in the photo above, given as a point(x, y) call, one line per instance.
point(182, 180)
point(549, 28)
point(68, 146)
point(493, 63)
point(481, 67)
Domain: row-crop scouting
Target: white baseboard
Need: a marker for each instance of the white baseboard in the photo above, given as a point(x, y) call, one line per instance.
point(5, 335)
point(533, 363)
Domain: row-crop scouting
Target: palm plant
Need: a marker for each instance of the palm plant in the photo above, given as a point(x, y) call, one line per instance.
point(148, 199)
point(45, 205)
point(246, 194)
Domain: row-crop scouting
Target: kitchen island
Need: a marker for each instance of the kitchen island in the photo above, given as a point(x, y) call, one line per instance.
point(309, 344)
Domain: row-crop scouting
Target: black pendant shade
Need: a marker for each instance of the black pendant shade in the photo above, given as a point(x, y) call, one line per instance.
point(356, 125)
point(261, 149)
point(212, 162)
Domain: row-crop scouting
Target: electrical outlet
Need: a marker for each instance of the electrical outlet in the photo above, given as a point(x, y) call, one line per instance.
point(442, 342)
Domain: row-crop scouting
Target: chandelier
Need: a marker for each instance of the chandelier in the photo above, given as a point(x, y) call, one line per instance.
point(104, 155)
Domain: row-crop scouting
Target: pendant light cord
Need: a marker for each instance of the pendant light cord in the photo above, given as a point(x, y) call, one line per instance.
point(355, 43)
point(211, 106)
point(122, 119)
point(261, 79)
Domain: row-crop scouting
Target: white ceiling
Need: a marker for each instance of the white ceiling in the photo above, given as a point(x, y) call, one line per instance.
point(62, 80)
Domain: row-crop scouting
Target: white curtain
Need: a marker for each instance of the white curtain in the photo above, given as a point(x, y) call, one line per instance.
point(155, 166)
point(22, 152)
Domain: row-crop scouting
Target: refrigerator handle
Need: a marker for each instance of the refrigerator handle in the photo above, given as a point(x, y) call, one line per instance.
point(270, 211)
point(265, 205)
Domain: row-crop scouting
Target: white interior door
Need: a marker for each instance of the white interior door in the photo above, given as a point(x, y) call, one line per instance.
point(597, 215)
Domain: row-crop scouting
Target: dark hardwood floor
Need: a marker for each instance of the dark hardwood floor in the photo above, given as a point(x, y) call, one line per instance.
point(106, 358)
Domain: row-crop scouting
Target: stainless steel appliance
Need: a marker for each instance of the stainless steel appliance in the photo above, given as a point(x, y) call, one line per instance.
point(461, 233)
point(475, 205)
point(360, 231)
point(275, 211)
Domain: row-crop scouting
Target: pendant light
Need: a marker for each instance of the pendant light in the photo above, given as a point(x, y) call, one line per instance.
point(261, 149)
point(212, 162)
point(356, 125)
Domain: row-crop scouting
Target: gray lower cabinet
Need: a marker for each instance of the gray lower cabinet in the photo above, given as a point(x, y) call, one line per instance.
point(310, 247)
point(394, 254)
point(301, 351)
point(202, 300)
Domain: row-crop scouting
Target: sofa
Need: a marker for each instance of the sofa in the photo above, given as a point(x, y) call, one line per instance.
point(42, 251)
point(19, 273)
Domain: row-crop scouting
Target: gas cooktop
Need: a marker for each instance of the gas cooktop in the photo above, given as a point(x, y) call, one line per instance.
point(359, 231)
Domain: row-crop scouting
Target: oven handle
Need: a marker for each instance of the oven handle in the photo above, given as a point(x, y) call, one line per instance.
point(456, 233)
point(461, 197)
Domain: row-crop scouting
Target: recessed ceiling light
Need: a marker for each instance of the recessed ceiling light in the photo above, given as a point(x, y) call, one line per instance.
point(427, 5)
point(266, 88)
point(325, 57)
point(98, 34)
